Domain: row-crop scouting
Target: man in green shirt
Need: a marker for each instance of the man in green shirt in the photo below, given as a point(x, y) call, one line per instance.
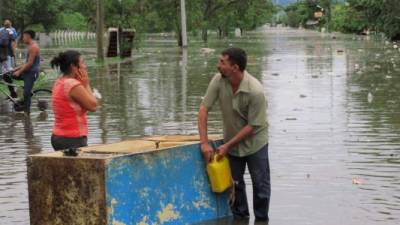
point(244, 111)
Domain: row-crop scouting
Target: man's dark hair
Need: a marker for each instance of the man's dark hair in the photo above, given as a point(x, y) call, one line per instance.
point(236, 56)
point(30, 33)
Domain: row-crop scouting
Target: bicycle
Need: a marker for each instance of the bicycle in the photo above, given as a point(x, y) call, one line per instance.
point(18, 104)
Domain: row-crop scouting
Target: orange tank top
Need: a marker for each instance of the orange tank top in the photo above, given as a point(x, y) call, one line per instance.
point(69, 117)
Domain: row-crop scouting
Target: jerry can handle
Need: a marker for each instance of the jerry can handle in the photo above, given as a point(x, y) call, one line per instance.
point(214, 154)
point(212, 143)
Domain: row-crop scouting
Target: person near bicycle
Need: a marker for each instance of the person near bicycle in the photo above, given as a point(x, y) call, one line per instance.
point(8, 43)
point(29, 71)
point(8, 36)
point(72, 97)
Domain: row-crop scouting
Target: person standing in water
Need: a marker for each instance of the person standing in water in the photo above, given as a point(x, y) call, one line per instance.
point(72, 97)
point(244, 110)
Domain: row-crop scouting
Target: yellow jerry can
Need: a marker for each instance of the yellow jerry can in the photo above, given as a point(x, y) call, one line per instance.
point(219, 173)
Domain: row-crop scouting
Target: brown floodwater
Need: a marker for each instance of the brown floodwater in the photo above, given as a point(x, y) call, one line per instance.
point(333, 112)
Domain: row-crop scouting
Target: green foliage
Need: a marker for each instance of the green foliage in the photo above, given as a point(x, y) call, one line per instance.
point(353, 16)
point(298, 14)
point(72, 21)
point(32, 13)
point(225, 15)
point(348, 20)
point(143, 15)
point(339, 13)
point(256, 14)
point(390, 19)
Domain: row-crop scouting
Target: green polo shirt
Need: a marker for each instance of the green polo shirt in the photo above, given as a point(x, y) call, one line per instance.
point(247, 106)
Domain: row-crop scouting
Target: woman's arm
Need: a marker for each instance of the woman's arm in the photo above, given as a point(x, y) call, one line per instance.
point(84, 97)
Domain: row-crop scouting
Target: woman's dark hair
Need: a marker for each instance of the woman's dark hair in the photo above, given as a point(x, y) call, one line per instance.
point(64, 60)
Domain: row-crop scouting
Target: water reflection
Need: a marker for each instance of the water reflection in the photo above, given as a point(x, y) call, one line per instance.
point(184, 72)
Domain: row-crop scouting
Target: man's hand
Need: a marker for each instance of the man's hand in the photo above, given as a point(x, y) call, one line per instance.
point(17, 73)
point(207, 152)
point(222, 150)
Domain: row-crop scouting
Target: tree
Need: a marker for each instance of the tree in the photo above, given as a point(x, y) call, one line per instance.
point(299, 13)
point(389, 20)
point(351, 16)
point(227, 14)
point(143, 15)
point(24, 13)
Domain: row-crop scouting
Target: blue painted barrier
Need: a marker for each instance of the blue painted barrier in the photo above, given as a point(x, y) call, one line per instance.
point(160, 186)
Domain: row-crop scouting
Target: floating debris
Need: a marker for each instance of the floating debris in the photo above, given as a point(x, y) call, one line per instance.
point(303, 96)
point(275, 74)
point(291, 118)
point(357, 181)
point(388, 77)
point(370, 97)
point(96, 93)
point(340, 51)
point(207, 50)
point(356, 66)
point(395, 46)
point(376, 66)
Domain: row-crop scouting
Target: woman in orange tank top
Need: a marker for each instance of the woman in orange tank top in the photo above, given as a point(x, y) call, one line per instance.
point(72, 97)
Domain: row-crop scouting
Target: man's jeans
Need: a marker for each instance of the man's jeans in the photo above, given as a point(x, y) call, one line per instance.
point(10, 62)
point(258, 165)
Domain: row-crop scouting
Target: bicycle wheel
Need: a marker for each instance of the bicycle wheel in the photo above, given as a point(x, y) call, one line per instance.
point(41, 90)
point(42, 96)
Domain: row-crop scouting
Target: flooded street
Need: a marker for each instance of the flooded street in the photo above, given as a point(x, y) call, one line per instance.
point(334, 115)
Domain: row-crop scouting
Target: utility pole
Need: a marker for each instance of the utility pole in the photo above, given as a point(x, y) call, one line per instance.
point(183, 24)
point(1, 11)
point(100, 30)
point(119, 34)
point(329, 15)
